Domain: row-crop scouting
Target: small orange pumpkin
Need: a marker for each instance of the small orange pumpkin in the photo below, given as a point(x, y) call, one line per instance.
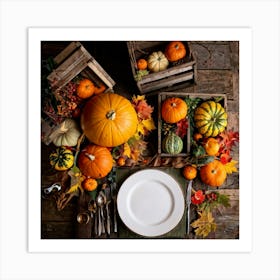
point(89, 184)
point(213, 174)
point(211, 146)
point(142, 64)
point(189, 172)
point(173, 109)
point(95, 161)
point(175, 51)
point(85, 89)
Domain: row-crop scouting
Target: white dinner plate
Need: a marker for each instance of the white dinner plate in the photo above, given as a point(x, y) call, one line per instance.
point(150, 202)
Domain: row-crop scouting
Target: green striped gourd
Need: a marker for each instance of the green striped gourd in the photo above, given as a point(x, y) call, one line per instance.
point(61, 159)
point(210, 118)
point(172, 144)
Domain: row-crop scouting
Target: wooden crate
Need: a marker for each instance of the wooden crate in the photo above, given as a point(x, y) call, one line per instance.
point(75, 60)
point(187, 139)
point(177, 75)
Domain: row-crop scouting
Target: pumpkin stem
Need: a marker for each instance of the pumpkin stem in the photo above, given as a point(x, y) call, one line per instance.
point(90, 156)
point(173, 104)
point(111, 115)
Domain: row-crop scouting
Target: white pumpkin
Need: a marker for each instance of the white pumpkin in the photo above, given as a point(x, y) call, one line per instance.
point(66, 134)
point(157, 61)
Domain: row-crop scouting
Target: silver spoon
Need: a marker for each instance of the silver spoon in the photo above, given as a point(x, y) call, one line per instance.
point(101, 200)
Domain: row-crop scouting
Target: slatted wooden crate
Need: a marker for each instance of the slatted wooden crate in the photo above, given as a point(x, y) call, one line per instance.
point(219, 97)
point(177, 75)
point(75, 60)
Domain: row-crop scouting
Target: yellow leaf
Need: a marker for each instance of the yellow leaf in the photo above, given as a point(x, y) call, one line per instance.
point(231, 167)
point(137, 98)
point(204, 224)
point(149, 124)
point(140, 129)
point(126, 150)
point(76, 180)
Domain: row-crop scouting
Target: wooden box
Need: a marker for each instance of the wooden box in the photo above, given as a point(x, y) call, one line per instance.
point(177, 75)
point(75, 60)
point(218, 97)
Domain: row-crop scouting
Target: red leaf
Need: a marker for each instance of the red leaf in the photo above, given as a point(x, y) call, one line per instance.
point(227, 140)
point(182, 128)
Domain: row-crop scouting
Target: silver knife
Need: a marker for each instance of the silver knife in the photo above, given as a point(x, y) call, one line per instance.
point(188, 200)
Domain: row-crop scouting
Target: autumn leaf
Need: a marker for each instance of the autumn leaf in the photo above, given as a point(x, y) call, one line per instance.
point(228, 139)
point(144, 127)
point(204, 224)
point(144, 111)
point(231, 167)
point(126, 150)
point(76, 180)
point(182, 128)
point(149, 124)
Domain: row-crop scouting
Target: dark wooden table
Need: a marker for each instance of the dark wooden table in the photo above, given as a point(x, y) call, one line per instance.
point(217, 72)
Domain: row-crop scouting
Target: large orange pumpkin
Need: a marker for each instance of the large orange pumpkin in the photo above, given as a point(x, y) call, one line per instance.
point(95, 161)
point(109, 120)
point(213, 174)
point(173, 109)
point(175, 51)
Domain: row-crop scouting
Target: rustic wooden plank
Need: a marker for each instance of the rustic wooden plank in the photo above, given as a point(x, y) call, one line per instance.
point(168, 72)
point(227, 219)
point(234, 55)
point(50, 212)
point(233, 121)
point(167, 82)
point(66, 52)
point(68, 69)
point(57, 230)
point(212, 56)
point(214, 81)
point(98, 70)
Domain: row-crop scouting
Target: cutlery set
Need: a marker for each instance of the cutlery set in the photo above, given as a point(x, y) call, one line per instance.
point(103, 212)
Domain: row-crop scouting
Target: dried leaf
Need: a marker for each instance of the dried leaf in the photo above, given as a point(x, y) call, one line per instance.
point(204, 224)
point(182, 128)
point(227, 139)
point(149, 124)
point(231, 167)
point(76, 180)
point(143, 109)
point(126, 150)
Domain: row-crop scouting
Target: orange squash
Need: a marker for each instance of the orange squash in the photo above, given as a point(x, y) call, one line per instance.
point(85, 89)
point(213, 174)
point(211, 146)
point(95, 161)
point(173, 109)
point(109, 120)
point(175, 51)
